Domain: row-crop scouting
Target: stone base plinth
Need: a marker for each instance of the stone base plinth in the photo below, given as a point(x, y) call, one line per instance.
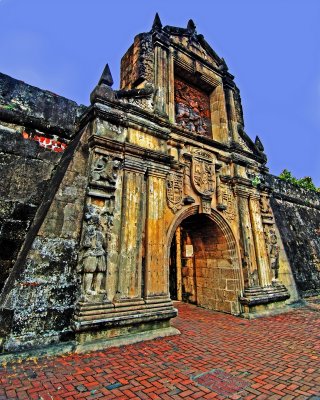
point(261, 301)
point(102, 325)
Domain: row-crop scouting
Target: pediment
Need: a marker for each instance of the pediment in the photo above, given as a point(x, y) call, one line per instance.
point(194, 46)
point(189, 39)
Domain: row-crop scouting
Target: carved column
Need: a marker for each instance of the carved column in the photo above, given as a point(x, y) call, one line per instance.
point(249, 253)
point(156, 274)
point(259, 240)
point(131, 231)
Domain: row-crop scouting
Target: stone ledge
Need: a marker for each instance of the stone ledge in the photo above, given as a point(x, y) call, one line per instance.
point(38, 352)
point(125, 340)
point(263, 295)
point(106, 321)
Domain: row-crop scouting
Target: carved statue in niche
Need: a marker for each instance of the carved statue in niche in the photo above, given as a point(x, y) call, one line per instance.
point(94, 250)
point(273, 250)
point(105, 171)
point(192, 108)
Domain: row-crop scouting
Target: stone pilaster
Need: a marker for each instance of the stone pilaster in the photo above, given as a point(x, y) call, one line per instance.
point(219, 115)
point(232, 116)
point(260, 290)
point(178, 263)
point(171, 105)
point(130, 248)
point(259, 240)
point(249, 262)
point(161, 74)
point(156, 274)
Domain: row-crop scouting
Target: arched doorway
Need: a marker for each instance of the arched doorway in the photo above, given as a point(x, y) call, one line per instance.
point(203, 264)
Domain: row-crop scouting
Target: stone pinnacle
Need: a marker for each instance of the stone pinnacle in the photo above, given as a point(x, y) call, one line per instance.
point(157, 25)
point(106, 76)
point(191, 27)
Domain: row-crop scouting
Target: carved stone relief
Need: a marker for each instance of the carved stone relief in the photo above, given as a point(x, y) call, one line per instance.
point(142, 98)
point(145, 103)
point(203, 174)
point(104, 172)
point(93, 264)
point(270, 234)
point(226, 202)
point(192, 108)
point(273, 249)
point(206, 204)
point(97, 222)
point(175, 191)
point(265, 205)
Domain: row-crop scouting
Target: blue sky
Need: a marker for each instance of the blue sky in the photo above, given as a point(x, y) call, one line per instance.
point(271, 46)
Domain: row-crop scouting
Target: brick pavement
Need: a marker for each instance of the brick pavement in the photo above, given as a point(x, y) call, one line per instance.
point(217, 356)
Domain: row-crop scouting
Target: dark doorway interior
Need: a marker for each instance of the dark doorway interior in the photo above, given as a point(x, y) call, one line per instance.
point(201, 267)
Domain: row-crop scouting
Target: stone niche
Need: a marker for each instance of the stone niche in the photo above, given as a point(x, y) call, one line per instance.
point(192, 108)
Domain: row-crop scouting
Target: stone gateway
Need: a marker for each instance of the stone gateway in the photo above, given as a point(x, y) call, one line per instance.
point(151, 194)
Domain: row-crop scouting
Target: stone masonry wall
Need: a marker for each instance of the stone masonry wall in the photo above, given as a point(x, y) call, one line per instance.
point(38, 309)
point(297, 214)
point(36, 127)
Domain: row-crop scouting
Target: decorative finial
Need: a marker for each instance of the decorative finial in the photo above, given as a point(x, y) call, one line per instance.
point(157, 25)
point(103, 90)
point(191, 27)
point(106, 77)
point(259, 144)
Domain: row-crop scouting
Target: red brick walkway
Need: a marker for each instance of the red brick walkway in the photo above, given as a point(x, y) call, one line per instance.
point(268, 358)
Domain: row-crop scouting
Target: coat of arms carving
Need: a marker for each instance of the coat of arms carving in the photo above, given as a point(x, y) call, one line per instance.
point(174, 191)
point(202, 176)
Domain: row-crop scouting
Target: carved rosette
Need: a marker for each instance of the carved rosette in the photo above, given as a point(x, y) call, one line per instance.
point(174, 191)
point(202, 173)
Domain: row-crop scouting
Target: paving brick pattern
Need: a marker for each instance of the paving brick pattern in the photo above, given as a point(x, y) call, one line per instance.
point(273, 358)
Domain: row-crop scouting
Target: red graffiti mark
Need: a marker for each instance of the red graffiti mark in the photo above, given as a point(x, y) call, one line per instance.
point(52, 144)
point(29, 283)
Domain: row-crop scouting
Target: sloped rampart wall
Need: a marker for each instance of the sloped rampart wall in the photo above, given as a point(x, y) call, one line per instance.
point(297, 214)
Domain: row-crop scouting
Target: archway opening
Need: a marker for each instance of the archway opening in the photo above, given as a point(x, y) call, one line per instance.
point(202, 268)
